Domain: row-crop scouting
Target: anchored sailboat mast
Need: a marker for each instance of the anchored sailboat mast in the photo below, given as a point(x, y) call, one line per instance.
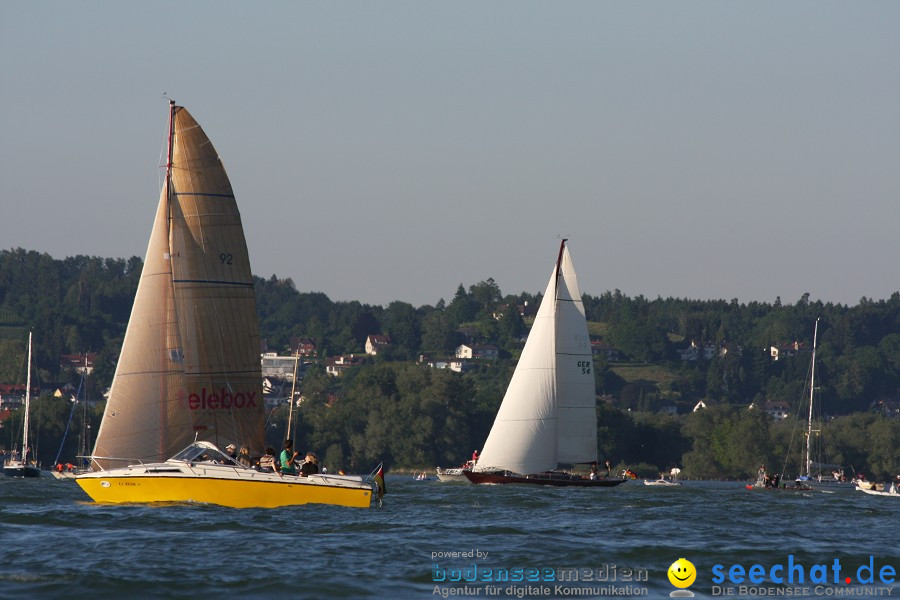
point(812, 387)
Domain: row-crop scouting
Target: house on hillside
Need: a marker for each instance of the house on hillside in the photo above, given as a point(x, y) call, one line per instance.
point(336, 365)
point(457, 365)
point(83, 364)
point(302, 346)
point(778, 410)
point(377, 343)
point(786, 350)
point(281, 367)
point(480, 351)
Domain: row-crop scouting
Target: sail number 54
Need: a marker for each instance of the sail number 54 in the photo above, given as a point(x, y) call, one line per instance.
point(585, 366)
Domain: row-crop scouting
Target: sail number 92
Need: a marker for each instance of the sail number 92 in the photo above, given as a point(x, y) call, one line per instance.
point(585, 366)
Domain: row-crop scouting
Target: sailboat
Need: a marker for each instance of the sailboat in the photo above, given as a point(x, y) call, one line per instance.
point(804, 482)
point(22, 467)
point(548, 416)
point(188, 380)
point(833, 480)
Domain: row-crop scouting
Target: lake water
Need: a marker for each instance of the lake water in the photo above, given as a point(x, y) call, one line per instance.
point(55, 543)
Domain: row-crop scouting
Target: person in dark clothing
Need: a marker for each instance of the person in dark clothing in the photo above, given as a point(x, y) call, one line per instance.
point(310, 466)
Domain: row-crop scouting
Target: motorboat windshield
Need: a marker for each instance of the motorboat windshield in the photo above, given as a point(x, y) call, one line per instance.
point(203, 452)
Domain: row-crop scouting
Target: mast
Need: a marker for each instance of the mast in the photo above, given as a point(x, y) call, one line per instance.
point(562, 246)
point(553, 357)
point(288, 434)
point(171, 147)
point(27, 406)
point(812, 387)
point(170, 152)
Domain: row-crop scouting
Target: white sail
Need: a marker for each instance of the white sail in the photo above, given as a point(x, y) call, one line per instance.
point(575, 387)
point(548, 414)
point(189, 363)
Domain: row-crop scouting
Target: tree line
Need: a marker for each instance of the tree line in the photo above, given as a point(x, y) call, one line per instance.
point(411, 416)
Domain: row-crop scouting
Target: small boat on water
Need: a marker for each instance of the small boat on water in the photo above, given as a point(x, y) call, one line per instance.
point(16, 465)
point(663, 482)
point(188, 380)
point(548, 416)
point(880, 489)
point(452, 475)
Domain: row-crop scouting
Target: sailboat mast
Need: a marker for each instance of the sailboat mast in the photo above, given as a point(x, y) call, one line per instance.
point(812, 387)
point(288, 434)
point(562, 246)
point(171, 147)
point(27, 405)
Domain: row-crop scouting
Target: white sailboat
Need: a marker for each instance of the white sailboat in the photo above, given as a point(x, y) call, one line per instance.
point(21, 466)
point(832, 480)
point(548, 416)
point(188, 380)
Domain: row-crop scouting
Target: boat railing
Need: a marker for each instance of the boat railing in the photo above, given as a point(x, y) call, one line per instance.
point(114, 459)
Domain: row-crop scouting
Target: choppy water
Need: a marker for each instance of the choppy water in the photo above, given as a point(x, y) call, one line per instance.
point(56, 543)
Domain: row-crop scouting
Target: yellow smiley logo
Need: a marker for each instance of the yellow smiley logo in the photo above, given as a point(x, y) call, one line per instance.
point(682, 573)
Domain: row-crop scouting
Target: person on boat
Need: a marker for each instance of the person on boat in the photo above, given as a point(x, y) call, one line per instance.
point(288, 458)
point(474, 459)
point(243, 457)
point(310, 466)
point(230, 450)
point(608, 468)
point(267, 462)
point(593, 474)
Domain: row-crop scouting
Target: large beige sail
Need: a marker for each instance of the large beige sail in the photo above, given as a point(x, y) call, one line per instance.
point(190, 360)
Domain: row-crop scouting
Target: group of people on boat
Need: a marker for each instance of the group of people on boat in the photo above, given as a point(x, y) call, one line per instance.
point(292, 464)
point(769, 480)
point(289, 462)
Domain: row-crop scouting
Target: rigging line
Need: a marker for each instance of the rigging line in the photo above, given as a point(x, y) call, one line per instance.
point(69, 422)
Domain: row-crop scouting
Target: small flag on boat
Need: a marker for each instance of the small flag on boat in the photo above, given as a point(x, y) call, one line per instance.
point(379, 481)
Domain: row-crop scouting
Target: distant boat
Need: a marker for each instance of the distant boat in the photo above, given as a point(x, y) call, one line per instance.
point(452, 475)
point(188, 380)
point(662, 481)
point(16, 466)
point(880, 489)
point(821, 480)
point(548, 416)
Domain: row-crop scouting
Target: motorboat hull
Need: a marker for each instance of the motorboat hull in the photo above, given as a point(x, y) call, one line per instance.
point(235, 487)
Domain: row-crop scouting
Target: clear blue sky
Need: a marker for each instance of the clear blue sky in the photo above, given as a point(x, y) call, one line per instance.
point(392, 150)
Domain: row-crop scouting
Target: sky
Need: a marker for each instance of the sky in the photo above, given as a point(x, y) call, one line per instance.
point(384, 151)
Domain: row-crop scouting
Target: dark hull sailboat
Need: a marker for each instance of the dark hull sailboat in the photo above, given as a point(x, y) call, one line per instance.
point(548, 416)
point(553, 478)
point(15, 467)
